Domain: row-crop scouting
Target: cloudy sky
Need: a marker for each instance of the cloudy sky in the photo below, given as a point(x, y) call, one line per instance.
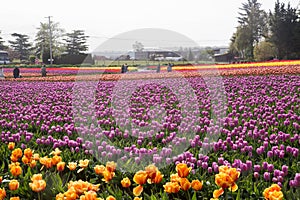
point(207, 22)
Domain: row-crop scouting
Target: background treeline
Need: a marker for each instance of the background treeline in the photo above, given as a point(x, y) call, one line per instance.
point(264, 35)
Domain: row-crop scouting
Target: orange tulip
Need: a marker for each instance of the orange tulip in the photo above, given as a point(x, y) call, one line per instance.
point(89, 195)
point(108, 176)
point(185, 184)
point(60, 166)
point(111, 166)
point(15, 169)
point(197, 185)
point(1, 179)
point(60, 196)
point(56, 159)
point(71, 194)
point(218, 193)
point(72, 166)
point(223, 180)
point(28, 153)
point(83, 163)
point(151, 171)
point(56, 152)
point(2, 193)
point(99, 169)
point(140, 177)
point(36, 157)
point(13, 184)
point(171, 187)
point(26, 160)
point(38, 186)
point(37, 177)
point(137, 198)
point(14, 198)
point(32, 164)
point(273, 192)
point(126, 182)
point(17, 153)
point(47, 162)
point(158, 178)
point(110, 198)
point(174, 178)
point(182, 170)
point(137, 191)
point(11, 145)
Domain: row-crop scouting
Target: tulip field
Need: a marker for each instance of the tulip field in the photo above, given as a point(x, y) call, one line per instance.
point(198, 132)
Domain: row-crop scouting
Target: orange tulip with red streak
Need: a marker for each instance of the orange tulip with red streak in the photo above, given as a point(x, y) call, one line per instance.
point(137, 191)
point(28, 153)
point(60, 166)
point(151, 171)
point(111, 166)
point(126, 182)
point(2, 193)
point(185, 184)
point(108, 176)
point(15, 169)
point(197, 185)
point(99, 169)
point(13, 184)
point(11, 145)
point(110, 198)
point(158, 178)
point(182, 170)
point(273, 192)
point(140, 177)
point(171, 187)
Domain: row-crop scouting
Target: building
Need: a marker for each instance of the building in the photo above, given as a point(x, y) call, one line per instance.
point(4, 59)
point(154, 53)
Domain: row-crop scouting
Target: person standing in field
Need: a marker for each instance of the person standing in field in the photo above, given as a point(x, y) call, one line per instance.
point(16, 72)
point(158, 68)
point(44, 71)
point(169, 67)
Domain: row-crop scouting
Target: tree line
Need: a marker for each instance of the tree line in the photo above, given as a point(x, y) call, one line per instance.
point(262, 35)
point(73, 43)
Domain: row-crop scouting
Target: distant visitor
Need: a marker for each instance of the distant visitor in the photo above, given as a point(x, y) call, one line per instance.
point(16, 72)
point(44, 71)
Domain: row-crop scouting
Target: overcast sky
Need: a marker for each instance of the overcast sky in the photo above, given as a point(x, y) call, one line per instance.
point(207, 22)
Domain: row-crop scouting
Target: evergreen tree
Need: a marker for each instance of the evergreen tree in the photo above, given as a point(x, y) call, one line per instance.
point(21, 45)
point(253, 19)
point(2, 46)
point(76, 42)
point(42, 41)
point(283, 27)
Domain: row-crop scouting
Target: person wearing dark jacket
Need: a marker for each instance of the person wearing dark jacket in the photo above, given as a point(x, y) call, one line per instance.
point(16, 72)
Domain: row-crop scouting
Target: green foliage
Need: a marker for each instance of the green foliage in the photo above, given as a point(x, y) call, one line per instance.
point(285, 27)
point(76, 42)
point(21, 46)
point(264, 51)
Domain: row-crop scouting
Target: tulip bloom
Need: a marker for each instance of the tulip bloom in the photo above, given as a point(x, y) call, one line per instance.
point(60, 166)
point(182, 170)
point(185, 184)
point(72, 166)
point(197, 185)
point(137, 191)
point(2, 193)
point(126, 182)
point(11, 145)
point(172, 187)
point(140, 177)
point(13, 184)
point(273, 192)
point(99, 169)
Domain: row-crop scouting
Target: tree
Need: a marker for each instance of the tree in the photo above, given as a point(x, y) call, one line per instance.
point(21, 46)
point(2, 46)
point(240, 43)
point(138, 46)
point(283, 27)
point(42, 41)
point(253, 20)
point(264, 51)
point(76, 42)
